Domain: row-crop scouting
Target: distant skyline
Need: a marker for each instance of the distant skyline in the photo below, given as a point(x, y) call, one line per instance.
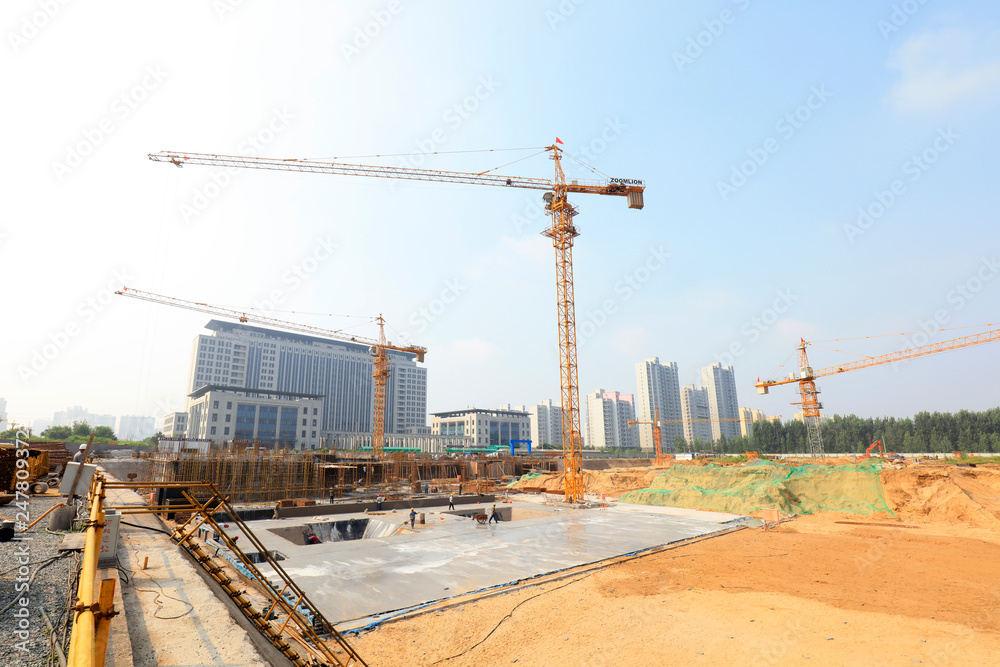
point(816, 170)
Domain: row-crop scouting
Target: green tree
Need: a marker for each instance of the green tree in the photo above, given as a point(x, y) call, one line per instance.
point(154, 439)
point(82, 428)
point(57, 432)
point(105, 432)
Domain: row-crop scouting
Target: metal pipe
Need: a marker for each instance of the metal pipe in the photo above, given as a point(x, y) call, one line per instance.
point(35, 522)
point(81, 645)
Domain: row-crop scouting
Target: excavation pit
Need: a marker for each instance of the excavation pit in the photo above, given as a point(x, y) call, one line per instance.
point(324, 532)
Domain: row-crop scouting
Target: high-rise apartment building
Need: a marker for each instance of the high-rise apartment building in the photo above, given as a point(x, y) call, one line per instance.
point(696, 413)
point(608, 414)
point(243, 357)
point(134, 427)
point(546, 424)
point(658, 388)
point(720, 383)
point(747, 418)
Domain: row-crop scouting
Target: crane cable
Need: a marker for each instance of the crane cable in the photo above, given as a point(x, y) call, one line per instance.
point(905, 333)
point(481, 150)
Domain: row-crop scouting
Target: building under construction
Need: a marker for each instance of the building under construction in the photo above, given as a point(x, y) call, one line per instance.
point(249, 474)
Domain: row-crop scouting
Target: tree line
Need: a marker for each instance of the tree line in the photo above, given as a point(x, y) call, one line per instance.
point(965, 430)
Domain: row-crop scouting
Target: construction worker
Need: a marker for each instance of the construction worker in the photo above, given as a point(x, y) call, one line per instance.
point(451, 502)
point(493, 515)
point(413, 517)
point(378, 502)
point(78, 457)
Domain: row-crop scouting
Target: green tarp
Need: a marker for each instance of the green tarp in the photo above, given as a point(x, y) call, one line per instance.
point(767, 485)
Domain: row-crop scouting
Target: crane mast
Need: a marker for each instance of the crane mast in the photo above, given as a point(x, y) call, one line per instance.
point(806, 377)
point(562, 232)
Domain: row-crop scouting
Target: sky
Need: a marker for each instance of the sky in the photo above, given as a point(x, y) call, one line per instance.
point(824, 170)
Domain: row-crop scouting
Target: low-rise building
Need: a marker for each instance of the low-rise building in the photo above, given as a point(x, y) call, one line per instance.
point(486, 428)
point(275, 419)
point(175, 424)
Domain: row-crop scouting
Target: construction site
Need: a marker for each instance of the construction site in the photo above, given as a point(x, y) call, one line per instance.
point(429, 549)
point(349, 560)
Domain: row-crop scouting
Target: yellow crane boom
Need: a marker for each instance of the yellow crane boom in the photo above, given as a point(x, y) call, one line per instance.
point(562, 231)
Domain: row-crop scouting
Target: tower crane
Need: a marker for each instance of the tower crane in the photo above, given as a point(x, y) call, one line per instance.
point(562, 231)
point(658, 448)
point(806, 377)
point(381, 369)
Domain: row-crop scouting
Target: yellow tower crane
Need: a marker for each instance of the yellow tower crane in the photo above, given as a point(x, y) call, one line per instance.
point(562, 231)
point(381, 367)
point(806, 377)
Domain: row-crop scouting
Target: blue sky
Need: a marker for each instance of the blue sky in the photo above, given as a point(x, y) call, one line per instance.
point(823, 170)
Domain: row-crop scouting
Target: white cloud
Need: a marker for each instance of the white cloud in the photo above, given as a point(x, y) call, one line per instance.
point(938, 70)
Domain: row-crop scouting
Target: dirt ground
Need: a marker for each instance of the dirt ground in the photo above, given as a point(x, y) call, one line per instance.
point(818, 592)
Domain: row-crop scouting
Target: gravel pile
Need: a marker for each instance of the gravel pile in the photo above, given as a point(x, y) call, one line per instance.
point(50, 587)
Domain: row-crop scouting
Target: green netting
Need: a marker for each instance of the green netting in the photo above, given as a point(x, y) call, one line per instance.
point(767, 485)
point(526, 476)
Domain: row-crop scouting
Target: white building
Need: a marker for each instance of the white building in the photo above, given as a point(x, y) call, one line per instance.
point(720, 382)
point(608, 414)
point(244, 357)
point(486, 428)
point(658, 387)
point(175, 424)
point(133, 427)
point(275, 419)
point(747, 418)
point(3, 414)
point(696, 413)
point(546, 424)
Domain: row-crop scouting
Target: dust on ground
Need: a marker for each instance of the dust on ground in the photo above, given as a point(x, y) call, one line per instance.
point(822, 590)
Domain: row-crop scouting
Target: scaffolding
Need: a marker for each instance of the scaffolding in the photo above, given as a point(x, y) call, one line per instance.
point(249, 474)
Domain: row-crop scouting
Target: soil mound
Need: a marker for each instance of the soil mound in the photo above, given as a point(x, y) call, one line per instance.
point(945, 493)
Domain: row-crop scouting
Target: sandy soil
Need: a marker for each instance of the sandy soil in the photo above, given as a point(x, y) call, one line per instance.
point(819, 592)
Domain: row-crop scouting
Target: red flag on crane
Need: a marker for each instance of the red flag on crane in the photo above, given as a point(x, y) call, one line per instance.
point(558, 140)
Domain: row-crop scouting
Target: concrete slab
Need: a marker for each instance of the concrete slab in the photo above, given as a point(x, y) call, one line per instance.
point(452, 556)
